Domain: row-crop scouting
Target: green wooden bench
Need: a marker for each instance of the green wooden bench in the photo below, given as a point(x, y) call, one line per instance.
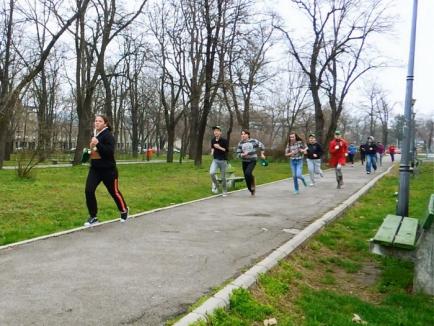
point(231, 178)
point(403, 232)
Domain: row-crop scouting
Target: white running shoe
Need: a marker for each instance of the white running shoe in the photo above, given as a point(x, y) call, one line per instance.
point(91, 221)
point(124, 215)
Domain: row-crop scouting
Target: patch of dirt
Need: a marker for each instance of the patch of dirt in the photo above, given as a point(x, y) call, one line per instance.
point(369, 274)
point(313, 265)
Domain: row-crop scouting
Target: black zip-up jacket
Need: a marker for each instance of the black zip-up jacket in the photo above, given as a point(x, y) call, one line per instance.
point(106, 149)
point(371, 148)
point(314, 149)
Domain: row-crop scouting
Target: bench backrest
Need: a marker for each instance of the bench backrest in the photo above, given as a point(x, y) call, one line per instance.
point(429, 217)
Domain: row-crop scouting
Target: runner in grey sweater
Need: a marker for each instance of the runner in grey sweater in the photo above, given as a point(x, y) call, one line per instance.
point(246, 150)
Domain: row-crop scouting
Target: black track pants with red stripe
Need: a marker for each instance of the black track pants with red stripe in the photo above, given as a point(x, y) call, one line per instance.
point(110, 179)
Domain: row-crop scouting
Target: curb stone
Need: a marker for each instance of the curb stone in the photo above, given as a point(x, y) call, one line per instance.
point(250, 277)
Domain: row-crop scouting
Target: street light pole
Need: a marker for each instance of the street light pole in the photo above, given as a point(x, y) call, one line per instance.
point(413, 138)
point(404, 167)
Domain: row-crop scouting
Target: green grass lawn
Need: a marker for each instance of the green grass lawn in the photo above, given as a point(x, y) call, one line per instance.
point(62, 158)
point(54, 199)
point(334, 276)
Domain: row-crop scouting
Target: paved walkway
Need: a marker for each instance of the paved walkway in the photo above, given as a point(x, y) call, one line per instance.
point(153, 267)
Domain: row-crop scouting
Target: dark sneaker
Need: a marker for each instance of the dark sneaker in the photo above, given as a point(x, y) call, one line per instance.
point(91, 221)
point(124, 216)
point(253, 187)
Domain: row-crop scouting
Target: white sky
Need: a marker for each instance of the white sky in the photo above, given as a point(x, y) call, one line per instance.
point(396, 48)
point(394, 79)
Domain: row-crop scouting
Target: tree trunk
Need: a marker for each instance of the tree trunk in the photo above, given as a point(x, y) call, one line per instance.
point(85, 131)
point(319, 116)
point(170, 144)
point(3, 140)
point(430, 136)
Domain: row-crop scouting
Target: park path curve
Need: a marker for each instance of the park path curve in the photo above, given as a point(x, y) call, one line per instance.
point(154, 266)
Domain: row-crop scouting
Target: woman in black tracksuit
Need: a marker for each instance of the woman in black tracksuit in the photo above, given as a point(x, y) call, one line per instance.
point(103, 168)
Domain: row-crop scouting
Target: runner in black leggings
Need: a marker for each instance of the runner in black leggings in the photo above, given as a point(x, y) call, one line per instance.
point(103, 168)
point(246, 150)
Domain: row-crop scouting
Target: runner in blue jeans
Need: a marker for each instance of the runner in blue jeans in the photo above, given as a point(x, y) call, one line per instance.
point(313, 152)
point(219, 151)
point(295, 151)
point(371, 155)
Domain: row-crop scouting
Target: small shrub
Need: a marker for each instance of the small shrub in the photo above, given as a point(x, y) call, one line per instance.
point(26, 161)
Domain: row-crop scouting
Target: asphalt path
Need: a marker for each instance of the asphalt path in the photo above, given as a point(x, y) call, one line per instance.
point(154, 266)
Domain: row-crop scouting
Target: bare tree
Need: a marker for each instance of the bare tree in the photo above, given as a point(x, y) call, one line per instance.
point(293, 100)
point(370, 108)
point(109, 21)
point(10, 92)
point(336, 55)
point(383, 112)
point(426, 132)
point(45, 91)
point(168, 31)
point(6, 76)
point(203, 23)
point(398, 129)
point(45, 85)
point(133, 59)
point(246, 68)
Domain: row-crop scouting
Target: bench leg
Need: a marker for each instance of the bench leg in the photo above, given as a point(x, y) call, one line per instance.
point(403, 254)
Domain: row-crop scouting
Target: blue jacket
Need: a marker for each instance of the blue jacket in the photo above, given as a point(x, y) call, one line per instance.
point(352, 149)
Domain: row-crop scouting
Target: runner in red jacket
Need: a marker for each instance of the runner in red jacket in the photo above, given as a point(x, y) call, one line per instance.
point(338, 149)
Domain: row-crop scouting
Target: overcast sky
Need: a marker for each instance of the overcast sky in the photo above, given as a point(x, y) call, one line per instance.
point(394, 79)
point(396, 47)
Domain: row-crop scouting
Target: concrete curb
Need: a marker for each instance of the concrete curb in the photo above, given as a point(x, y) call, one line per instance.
point(58, 234)
point(221, 298)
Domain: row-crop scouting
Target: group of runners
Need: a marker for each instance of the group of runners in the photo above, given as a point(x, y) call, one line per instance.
point(296, 150)
point(103, 165)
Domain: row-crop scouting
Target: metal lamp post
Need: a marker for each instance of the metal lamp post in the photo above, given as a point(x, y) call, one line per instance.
point(412, 136)
point(404, 168)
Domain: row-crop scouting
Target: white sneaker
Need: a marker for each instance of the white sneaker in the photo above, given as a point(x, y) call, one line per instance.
point(124, 215)
point(91, 221)
point(311, 184)
point(225, 194)
point(214, 189)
